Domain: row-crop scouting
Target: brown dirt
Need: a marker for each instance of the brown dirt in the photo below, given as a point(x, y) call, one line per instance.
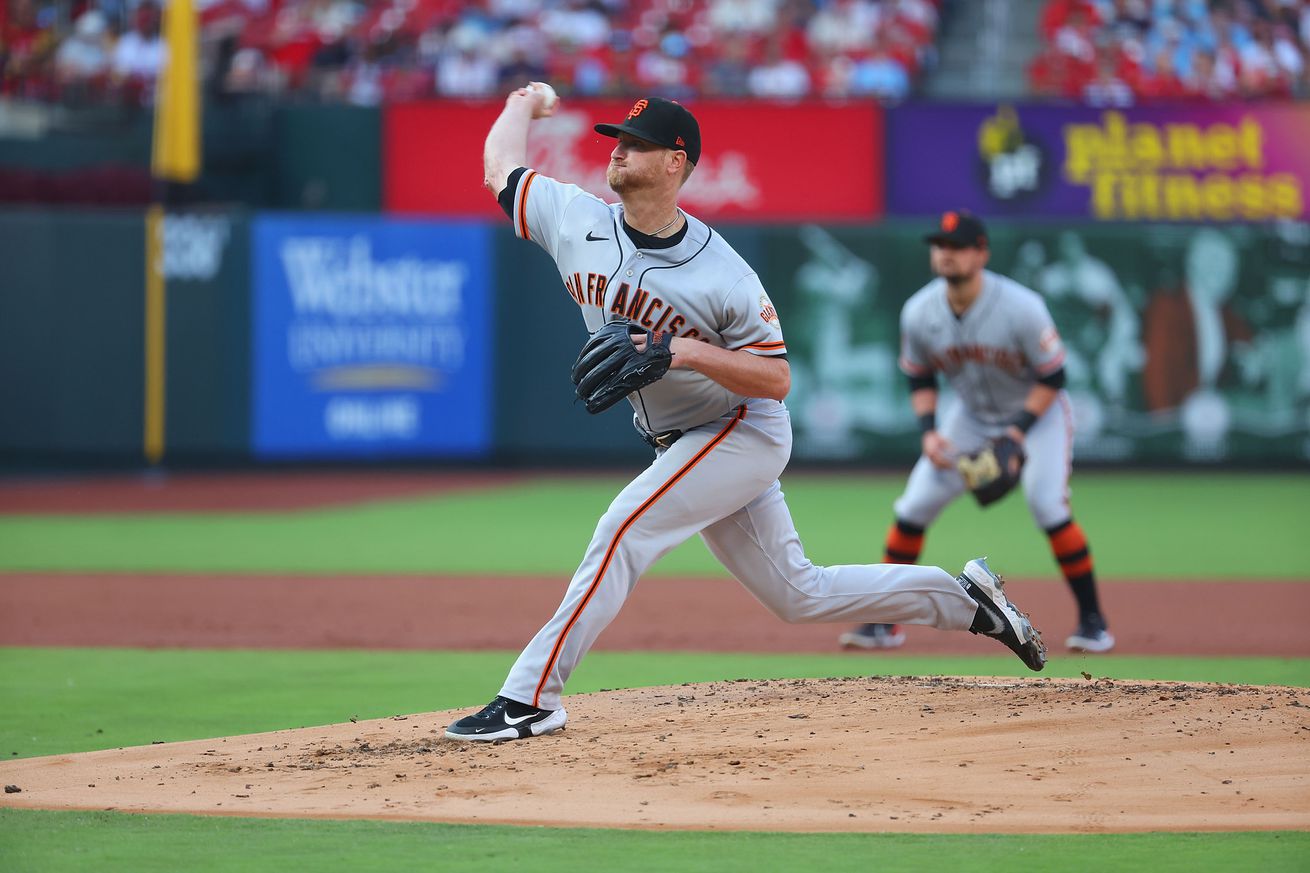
point(910, 755)
point(36, 609)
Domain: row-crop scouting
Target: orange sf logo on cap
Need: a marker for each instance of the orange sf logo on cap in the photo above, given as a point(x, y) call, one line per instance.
point(638, 108)
point(950, 221)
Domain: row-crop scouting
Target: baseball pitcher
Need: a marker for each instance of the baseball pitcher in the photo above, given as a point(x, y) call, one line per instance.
point(683, 327)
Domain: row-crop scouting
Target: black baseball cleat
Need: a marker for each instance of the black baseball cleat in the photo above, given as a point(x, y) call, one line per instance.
point(998, 618)
point(505, 719)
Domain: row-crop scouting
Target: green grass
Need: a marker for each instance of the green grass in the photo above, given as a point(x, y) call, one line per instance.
point(1167, 526)
point(52, 842)
point(73, 700)
point(68, 700)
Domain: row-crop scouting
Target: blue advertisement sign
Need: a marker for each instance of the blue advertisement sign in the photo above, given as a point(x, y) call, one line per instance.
point(370, 338)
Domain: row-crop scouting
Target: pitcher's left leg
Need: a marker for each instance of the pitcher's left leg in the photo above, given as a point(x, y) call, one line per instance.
point(704, 476)
point(701, 478)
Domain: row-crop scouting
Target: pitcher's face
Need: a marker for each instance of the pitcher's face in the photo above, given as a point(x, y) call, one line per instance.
point(636, 164)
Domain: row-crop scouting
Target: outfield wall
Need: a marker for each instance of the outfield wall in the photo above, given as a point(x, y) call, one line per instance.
point(361, 337)
point(390, 314)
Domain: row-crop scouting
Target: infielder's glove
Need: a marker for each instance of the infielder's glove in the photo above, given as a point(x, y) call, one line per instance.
point(991, 473)
point(609, 367)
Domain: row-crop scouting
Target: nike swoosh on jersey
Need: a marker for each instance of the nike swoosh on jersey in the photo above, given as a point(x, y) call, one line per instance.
point(513, 721)
point(591, 238)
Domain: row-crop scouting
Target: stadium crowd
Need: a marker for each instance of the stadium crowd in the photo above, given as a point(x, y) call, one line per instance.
point(1111, 52)
point(1118, 52)
point(370, 52)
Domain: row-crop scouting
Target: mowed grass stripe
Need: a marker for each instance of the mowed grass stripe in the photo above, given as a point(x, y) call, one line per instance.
point(53, 842)
point(1168, 526)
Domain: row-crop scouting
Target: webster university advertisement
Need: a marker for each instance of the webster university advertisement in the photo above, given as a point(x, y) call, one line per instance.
point(370, 338)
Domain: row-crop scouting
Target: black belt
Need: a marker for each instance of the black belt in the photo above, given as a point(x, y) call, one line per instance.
point(661, 440)
point(667, 438)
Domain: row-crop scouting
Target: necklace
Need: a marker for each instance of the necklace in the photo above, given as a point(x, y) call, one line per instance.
point(677, 213)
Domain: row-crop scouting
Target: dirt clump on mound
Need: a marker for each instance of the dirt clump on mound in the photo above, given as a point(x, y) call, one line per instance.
point(871, 754)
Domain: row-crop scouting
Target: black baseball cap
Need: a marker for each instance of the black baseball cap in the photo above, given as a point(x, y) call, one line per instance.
point(959, 228)
point(662, 122)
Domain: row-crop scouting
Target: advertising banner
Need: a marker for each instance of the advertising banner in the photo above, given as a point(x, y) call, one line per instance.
point(752, 166)
point(1184, 163)
point(370, 338)
point(1184, 344)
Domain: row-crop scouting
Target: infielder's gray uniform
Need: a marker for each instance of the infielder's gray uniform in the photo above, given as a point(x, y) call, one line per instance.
point(992, 356)
point(720, 479)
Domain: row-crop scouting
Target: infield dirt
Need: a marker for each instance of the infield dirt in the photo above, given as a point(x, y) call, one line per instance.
point(876, 754)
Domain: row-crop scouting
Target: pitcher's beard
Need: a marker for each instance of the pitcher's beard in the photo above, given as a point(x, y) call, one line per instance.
point(626, 182)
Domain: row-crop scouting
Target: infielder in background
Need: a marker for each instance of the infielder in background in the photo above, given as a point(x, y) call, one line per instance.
point(997, 345)
point(715, 419)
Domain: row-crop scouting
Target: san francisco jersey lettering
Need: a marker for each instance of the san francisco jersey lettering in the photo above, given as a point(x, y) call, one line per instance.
point(992, 355)
point(699, 289)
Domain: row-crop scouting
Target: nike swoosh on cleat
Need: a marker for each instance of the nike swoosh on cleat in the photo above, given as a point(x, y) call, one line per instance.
point(591, 238)
point(998, 624)
point(513, 721)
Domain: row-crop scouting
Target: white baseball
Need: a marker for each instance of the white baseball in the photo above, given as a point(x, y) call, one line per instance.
point(551, 98)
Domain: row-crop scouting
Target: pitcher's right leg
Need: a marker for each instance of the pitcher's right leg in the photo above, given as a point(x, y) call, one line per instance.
point(760, 546)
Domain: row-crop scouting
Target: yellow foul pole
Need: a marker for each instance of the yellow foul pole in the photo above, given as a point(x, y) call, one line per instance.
point(175, 157)
point(156, 318)
point(176, 152)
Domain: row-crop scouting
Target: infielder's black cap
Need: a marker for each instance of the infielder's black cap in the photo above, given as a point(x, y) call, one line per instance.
point(959, 228)
point(662, 122)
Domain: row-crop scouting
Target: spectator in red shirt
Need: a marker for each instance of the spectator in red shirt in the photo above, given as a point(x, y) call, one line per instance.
point(1161, 81)
point(26, 45)
point(1057, 13)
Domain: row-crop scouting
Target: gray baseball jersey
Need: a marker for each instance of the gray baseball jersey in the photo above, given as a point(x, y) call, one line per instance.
point(699, 288)
point(992, 355)
point(720, 479)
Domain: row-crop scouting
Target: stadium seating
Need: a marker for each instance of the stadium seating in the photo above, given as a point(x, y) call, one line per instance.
point(1127, 51)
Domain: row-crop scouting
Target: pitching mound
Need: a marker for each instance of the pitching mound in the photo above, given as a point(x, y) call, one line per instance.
point(876, 754)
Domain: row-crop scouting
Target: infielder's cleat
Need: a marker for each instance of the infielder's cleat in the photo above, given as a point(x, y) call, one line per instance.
point(505, 719)
point(873, 636)
point(998, 618)
point(1091, 636)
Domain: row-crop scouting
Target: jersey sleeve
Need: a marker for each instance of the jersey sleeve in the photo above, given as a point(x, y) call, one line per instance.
point(915, 358)
point(1039, 338)
point(750, 323)
point(539, 206)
